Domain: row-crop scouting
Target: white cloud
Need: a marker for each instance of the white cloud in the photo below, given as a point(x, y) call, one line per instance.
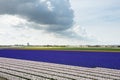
point(99, 18)
point(57, 14)
point(40, 21)
point(11, 34)
point(94, 20)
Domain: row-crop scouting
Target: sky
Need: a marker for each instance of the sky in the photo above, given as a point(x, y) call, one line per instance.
point(60, 22)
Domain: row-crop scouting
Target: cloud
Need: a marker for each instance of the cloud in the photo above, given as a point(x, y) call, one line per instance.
point(57, 15)
point(21, 35)
point(49, 16)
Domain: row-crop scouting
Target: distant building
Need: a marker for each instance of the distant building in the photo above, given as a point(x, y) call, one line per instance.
point(28, 44)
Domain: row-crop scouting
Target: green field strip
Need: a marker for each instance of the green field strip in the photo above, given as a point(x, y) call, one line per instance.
point(92, 49)
point(72, 49)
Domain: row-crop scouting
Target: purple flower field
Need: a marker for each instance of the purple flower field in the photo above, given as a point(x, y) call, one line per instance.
point(76, 58)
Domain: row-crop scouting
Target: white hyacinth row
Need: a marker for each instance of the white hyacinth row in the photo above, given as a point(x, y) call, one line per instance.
point(16, 69)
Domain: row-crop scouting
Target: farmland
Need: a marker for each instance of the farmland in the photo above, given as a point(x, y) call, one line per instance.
point(107, 59)
point(17, 69)
point(98, 49)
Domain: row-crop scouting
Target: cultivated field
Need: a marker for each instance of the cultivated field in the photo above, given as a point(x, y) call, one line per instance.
point(15, 69)
point(99, 49)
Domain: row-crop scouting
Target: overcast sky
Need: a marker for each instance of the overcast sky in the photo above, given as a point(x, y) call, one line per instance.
point(62, 22)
